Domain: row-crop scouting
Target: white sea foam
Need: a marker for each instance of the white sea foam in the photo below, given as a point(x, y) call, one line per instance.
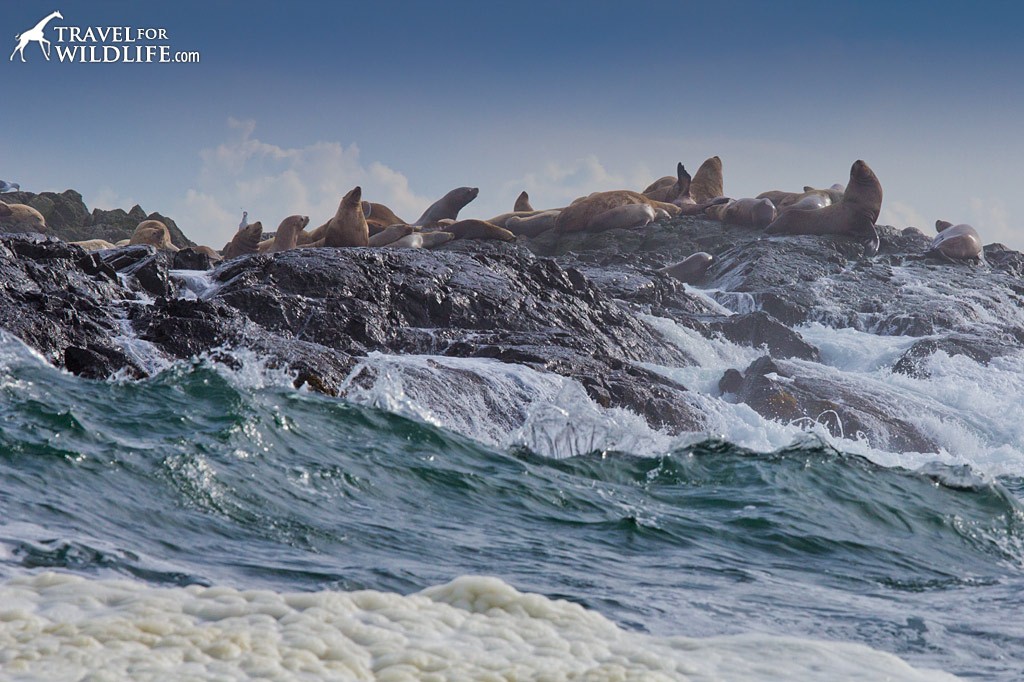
point(195, 284)
point(59, 627)
point(974, 413)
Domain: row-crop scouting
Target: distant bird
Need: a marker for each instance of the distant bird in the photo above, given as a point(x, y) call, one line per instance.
point(245, 220)
point(9, 186)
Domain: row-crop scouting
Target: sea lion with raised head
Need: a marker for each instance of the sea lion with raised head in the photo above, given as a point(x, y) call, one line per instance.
point(522, 203)
point(246, 240)
point(348, 226)
point(676, 190)
point(708, 181)
point(854, 215)
point(746, 212)
point(956, 242)
point(691, 269)
point(287, 236)
point(448, 206)
point(154, 233)
point(21, 218)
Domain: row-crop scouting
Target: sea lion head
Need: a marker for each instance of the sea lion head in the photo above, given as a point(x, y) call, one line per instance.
point(762, 213)
point(864, 191)
point(708, 181)
point(293, 223)
point(154, 233)
point(353, 199)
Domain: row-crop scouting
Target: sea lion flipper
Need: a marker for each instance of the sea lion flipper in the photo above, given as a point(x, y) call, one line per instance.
point(872, 243)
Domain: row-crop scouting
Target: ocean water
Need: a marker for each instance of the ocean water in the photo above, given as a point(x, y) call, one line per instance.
point(465, 519)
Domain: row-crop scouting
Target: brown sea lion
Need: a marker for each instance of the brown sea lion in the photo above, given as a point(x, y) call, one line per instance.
point(577, 216)
point(93, 244)
point(531, 226)
point(391, 234)
point(677, 190)
point(379, 216)
point(807, 201)
point(154, 233)
point(348, 226)
point(622, 217)
point(708, 181)
point(478, 229)
point(287, 236)
point(503, 218)
point(854, 215)
point(437, 238)
point(448, 206)
point(956, 242)
point(213, 255)
point(246, 240)
point(747, 212)
point(691, 269)
point(21, 218)
point(522, 202)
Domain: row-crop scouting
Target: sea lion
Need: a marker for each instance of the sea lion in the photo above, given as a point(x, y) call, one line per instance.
point(669, 193)
point(577, 216)
point(956, 242)
point(809, 201)
point(413, 240)
point(531, 226)
point(391, 234)
point(708, 181)
point(213, 255)
point(825, 197)
point(448, 206)
point(21, 218)
point(854, 215)
point(622, 217)
point(501, 219)
point(287, 236)
point(478, 229)
point(522, 202)
point(348, 226)
point(93, 244)
point(679, 189)
point(379, 216)
point(154, 233)
point(747, 212)
point(691, 269)
point(245, 241)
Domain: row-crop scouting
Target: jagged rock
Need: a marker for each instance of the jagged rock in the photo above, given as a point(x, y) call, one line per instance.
point(190, 259)
point(788, 393)
point(981, 350)
point(759, 329)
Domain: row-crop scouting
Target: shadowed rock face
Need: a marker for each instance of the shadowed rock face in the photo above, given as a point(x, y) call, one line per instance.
point(562, 303)
point(68, 218)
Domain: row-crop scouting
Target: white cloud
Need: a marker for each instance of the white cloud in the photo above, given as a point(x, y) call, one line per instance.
point(900, 215)
point(991, 218)
point(273, 182)
point(107, 199)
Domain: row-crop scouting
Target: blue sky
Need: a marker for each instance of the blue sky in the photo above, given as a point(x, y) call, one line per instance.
point(292, 104)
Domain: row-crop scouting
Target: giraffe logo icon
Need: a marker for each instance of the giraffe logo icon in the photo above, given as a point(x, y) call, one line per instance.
point(35, 34)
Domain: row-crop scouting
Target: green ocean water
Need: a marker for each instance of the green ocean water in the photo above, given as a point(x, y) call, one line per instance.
point(203, 475)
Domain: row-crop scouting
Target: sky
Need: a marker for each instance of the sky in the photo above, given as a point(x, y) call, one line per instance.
point(292, 104)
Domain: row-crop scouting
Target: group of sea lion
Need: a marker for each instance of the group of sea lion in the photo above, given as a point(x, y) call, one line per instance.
point(851, 211)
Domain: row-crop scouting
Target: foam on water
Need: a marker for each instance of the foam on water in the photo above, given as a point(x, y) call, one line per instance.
point(974, 412)
point(60, 627)
point(195, 284)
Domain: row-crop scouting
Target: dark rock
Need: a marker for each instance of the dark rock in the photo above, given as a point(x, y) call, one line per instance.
point(190, 259)
point(761, 329)
point(780, 390)
point(981, 350)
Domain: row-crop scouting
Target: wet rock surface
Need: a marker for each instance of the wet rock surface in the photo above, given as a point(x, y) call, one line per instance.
point(566, 304)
